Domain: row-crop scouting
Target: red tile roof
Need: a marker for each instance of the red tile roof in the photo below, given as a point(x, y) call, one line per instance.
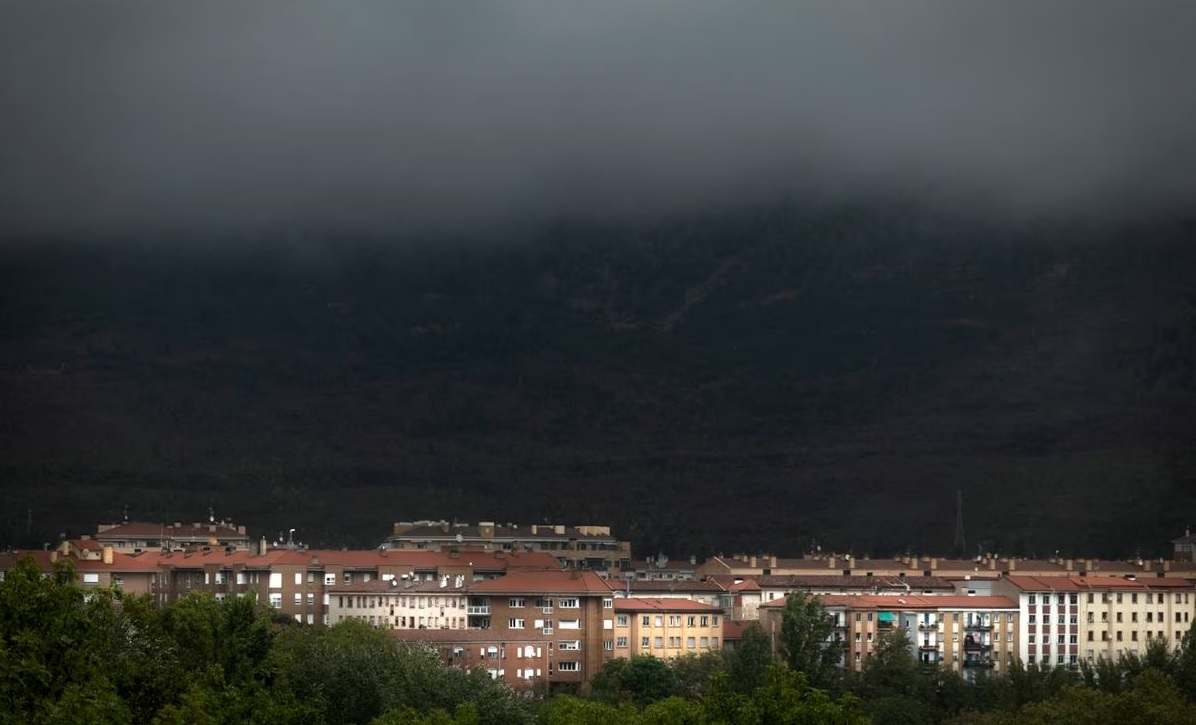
point(905, 602)
point(663, 605)
point(545, 582)
point(1090, 583)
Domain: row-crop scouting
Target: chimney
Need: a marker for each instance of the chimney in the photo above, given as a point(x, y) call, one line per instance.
point(53, 555)
point(992, 564)
point(1166, 566)
point(1012, 564)
point(261, 547)
point(1070, 564)
point(830, 562)
point(241, 530)
point(772, 562)
point(934, 563)
point(1088, 565)
point(693, 560)
point(107, 554)
point(534, 529)
point(752, 562)
point(559, 529)
point(1146, 565)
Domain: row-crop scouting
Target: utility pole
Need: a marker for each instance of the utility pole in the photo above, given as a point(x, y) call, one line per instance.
point(961, 540)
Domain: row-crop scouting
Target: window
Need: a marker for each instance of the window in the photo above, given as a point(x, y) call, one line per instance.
point(1134, 598)
point(276, 600)
point(621, 642)
point(298, 599)
point(298, 579)
point(1072, 598)
point(607, 645)
point(658, 643)
point(704, 643)
point(1134, 635)
point(514, 623)
point(646, 620)
point(329, 580)
point(1030, 638)
point(1046, 599)
point(608, 604)
point(691, 621)
point(1033, 619)
point(1133, 616)
point(569, 644)
point(621, 620)
point(276, 580)
point(674, 620)
point(674, 643)
point(1033, 599)
point(568, 667)
point(515, 603)
point(690, 642)
point(91, 578)
point(571, 603)
point(645, 642)
point(659, 621)
point(706, 621)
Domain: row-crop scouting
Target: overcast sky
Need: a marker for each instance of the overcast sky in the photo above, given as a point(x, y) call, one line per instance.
point(131, 117)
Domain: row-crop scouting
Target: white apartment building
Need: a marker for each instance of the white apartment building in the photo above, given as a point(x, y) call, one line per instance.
point(402, 603)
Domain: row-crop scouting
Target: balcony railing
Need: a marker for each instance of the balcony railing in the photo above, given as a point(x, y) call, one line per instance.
point(978, 626)
point(977, 646)
point(980, 664)
point(479, 610)
point(927, 627)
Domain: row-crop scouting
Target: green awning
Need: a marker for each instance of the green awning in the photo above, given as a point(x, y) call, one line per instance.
point(887, 617)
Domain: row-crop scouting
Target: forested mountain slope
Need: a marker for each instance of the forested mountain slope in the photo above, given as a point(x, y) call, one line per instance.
point(753, 380)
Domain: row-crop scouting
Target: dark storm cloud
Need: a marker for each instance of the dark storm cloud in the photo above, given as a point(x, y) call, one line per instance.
point(122, 116)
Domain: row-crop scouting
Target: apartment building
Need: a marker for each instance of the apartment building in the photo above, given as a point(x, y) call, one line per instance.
point(747, 593)
point(666, 628)
point(134, 537)
point(404, 603)
point(662, 568)
point(574, 547)
point(1069, 618)
point(967, 634)
point(520, 659)
point(572, 612)
point(291, 580)
point(981, 567)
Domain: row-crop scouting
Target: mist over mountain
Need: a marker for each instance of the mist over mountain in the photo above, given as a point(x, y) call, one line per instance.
point(752, 380)
point(146, 120)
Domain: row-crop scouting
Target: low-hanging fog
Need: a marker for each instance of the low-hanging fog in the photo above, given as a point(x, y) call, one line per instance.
point(144, 117)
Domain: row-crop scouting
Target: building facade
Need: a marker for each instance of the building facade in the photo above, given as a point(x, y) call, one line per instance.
point(666, 628)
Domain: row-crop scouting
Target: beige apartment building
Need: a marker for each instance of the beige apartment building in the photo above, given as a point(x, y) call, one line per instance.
point(1069, 618)
point(666, 628)
point(402, 603)
point(574, 547)
point(967, 634)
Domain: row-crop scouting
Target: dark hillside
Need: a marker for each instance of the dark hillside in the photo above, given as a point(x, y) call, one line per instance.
point(748, 381)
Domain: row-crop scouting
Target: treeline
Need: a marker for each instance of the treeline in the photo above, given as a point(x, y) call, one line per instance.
point(69, 656)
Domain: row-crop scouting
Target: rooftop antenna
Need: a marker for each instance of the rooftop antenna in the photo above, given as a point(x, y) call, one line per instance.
point(961, 539)
point(211, 515)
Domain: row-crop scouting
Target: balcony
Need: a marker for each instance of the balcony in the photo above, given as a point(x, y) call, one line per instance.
point(927, 627)
point(482, 610)
point(978, 664)
point(928, 647)
point(977, 646)
point(978, 626)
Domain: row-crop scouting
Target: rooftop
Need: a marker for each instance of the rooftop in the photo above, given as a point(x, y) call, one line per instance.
point(664, 604)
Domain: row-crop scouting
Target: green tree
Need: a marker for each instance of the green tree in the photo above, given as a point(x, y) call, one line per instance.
point(747, 664)
point(1185, 665)
point(806, 641)
point(647, 679)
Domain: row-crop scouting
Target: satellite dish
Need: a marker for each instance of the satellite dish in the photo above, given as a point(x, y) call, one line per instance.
point(460, 538)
